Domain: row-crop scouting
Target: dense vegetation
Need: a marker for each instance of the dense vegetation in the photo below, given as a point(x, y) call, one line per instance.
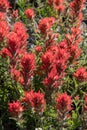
point(43, 65)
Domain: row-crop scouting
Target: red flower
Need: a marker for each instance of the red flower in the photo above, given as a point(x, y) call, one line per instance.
point(2, 16)
point(80, 17)
point(75, 51)
point(15, 108)
point(30, 13)
point(58, 4)
point(38, 101)
point(5, 52)
point(45, 24)
point(20, 30)
point(4, 4)
point(76, 6)
point(28, 97)
point(35, 100)
point(15, 74)
point(50, 2)
point(81, 74)
point(28, 67)
point(60, 58)
point(51, 39)
point(4, 30)
point(13, 42)
point(52, 78)
point(54, 63)
point(77, 98)
point(60, 8)
point(47, 59)
point(76, 31)
point(63, 44)
point(15, 13)
point(62, 55)
point(63, 102)
point(38, 48)
point(28, 62)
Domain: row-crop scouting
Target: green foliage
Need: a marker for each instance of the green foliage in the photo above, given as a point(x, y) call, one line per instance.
point(75, 122)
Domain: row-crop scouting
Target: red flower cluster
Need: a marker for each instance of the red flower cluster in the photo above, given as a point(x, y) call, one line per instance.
point(75, 52)
point(63, 102)
point(51, 39)
point(45, 24)
point(73, 40)
point(4, 30)
point(5, 52)
point(54, 62)
point(47, 59)
point(80, 18)
point(52, 78)
point(4, 4)
point(15, 74)
point(13, 43)
point(20, 30)
point(2, 16)
point(76, 32)
point(30, 13)
point(57, 4)
point(28, 67)
point(76, 6)
point(63, 45)
point(75, 36)
point(28, 62)
point(15, 108)
point(81, 74)
point(35, 100)
point(16, 41)
point(16, 47)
